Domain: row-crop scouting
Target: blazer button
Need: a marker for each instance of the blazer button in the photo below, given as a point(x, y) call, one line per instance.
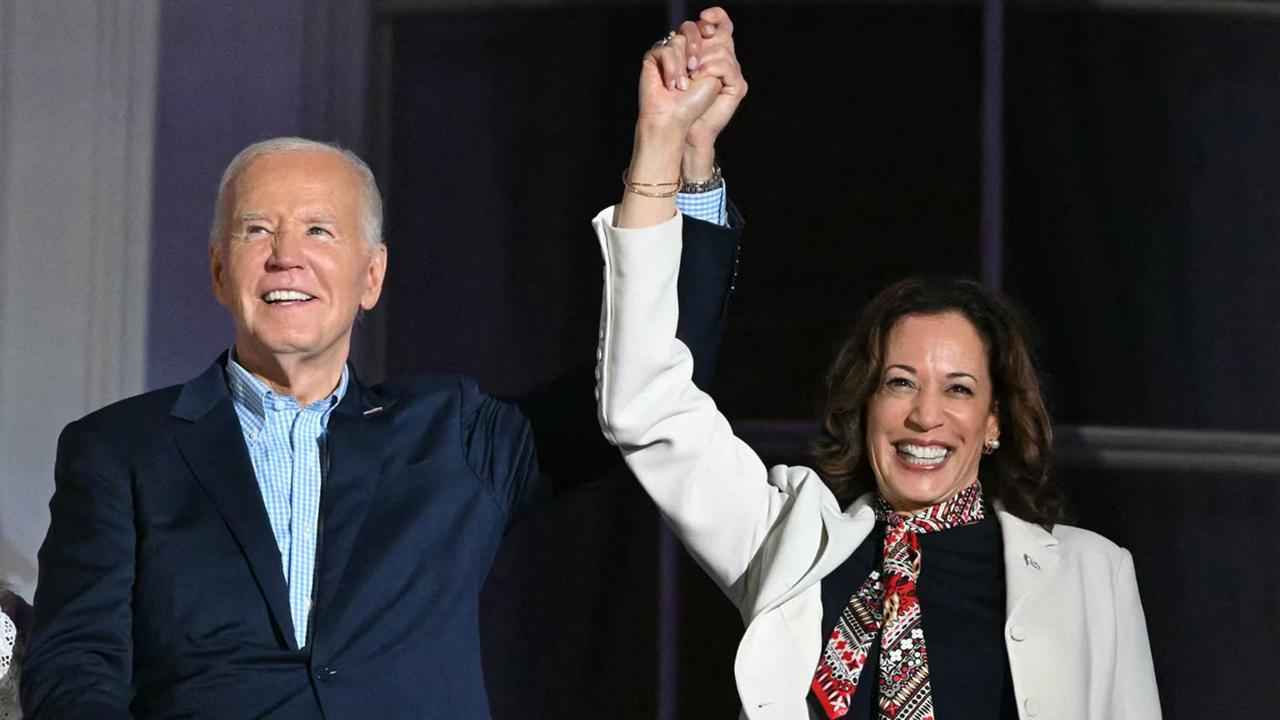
point(1017, 633)
point(1033, 706)
point(326, 672)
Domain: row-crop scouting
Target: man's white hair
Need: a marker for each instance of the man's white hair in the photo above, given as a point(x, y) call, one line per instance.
point(371, 203)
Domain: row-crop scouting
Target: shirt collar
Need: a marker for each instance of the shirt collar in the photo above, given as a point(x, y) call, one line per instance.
point(252, 396)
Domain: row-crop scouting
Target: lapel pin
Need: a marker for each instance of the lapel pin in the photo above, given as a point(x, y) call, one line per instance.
point(1030, 561)
point(373, 411)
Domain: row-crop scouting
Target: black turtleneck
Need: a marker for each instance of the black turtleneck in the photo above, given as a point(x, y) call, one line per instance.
point(962, 605)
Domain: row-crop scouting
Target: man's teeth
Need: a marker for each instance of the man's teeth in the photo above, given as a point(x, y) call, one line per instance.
point(285, 295)
point(922, 454)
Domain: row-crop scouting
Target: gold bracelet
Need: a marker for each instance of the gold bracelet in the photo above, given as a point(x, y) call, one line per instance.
point(635, 187)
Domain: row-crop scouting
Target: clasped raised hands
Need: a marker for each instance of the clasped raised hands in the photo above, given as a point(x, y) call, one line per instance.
point(692, 80)
point(690, 87)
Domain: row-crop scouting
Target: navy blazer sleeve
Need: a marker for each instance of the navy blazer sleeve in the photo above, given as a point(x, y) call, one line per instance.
point(708, 268)
point(550, 438)
point(84, 649)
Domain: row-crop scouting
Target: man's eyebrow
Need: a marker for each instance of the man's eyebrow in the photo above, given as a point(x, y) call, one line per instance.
point(246, 217)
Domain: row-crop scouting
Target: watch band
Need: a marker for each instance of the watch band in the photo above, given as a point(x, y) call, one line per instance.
point(715, 182)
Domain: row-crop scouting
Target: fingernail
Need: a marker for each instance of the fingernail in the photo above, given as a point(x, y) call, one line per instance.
point(693, 62)
point(708, 29)
point(684, 83)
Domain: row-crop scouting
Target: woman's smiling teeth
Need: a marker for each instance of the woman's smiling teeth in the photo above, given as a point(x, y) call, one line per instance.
point(922, 454)
point(276, 296)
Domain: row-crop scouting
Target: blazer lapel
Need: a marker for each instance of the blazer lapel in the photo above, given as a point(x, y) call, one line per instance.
point(777, 654)
point(358, 434)
point(843, 531)
point(1030, 559)
point(214, 448)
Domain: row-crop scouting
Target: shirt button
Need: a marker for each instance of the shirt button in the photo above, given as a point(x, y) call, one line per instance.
point(1032, 706)
point(1017, 633)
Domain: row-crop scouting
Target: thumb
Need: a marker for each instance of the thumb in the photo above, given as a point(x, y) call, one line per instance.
point(701, 93)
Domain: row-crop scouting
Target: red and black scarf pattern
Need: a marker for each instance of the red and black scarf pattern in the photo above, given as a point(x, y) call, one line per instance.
point(886, 604)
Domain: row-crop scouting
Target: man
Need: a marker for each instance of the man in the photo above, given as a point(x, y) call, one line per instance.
point(275, 539)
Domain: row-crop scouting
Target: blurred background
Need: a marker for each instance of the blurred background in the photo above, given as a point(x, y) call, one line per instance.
point(1111, 165)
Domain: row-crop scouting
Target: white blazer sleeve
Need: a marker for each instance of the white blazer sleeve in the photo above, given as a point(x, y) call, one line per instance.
point(1135, 689)
point(712, 489)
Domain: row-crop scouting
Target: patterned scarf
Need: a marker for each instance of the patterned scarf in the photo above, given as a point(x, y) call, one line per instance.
point(886, 605)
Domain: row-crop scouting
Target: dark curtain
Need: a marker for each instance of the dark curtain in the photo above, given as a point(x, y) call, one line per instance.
point(1143, 214)
point(1143, 235)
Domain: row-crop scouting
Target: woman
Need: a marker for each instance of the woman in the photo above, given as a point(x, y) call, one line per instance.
point(930, 572)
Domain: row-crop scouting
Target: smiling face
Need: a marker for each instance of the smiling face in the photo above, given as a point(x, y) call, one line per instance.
point(932, 413)
point(294, 268)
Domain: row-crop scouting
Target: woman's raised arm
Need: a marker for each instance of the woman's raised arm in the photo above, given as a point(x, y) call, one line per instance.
point(713, 490)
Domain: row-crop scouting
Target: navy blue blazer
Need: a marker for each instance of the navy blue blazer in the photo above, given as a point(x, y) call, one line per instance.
point(161, 593)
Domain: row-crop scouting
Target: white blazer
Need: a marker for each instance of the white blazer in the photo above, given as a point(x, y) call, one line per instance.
point(1075, 632)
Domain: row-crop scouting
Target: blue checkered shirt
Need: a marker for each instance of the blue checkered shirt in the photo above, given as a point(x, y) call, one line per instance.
point(710, 206)
point(287, 446)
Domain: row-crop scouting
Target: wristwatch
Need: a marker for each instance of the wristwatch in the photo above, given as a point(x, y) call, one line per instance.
point(715, 182)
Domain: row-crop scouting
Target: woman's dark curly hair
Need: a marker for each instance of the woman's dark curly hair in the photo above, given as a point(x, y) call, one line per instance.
point(1018, 473)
